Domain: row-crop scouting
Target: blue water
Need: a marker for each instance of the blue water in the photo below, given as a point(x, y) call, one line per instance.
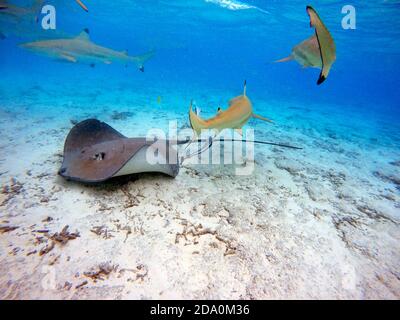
point(206, 49)
point(321, 222)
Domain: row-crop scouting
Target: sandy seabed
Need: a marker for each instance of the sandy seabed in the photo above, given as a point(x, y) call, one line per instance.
point(322, 222)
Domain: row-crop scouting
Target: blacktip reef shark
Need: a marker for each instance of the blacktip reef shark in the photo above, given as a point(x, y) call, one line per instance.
point(17, 12)
point(239, 112)
point(16, 15)
point(82, 49)
point(318, 51)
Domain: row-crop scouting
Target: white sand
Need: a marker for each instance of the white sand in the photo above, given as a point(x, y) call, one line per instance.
point(316, 223)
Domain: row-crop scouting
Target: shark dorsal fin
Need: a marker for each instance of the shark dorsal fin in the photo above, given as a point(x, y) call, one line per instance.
point(84, 35)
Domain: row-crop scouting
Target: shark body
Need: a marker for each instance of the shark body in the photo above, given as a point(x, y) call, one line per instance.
point(239, 112)
point(18, 20)
point(8, 10)
point(81, 49)
point(306, 53)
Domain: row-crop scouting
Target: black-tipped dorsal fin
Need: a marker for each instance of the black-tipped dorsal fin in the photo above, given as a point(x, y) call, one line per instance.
point(84, 35)
point(88, 133)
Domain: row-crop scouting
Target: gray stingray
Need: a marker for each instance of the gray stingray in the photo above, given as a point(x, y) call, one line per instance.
point(95, 152)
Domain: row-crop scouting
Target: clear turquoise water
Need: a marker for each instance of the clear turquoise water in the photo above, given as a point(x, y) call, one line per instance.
point(321, 222)
point(204, 51)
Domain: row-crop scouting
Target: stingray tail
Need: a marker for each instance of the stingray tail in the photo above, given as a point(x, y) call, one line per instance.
point(262, 118)
point(289, 58)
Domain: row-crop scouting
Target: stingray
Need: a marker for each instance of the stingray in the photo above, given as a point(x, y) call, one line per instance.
point(318, 51)
point(95, 152)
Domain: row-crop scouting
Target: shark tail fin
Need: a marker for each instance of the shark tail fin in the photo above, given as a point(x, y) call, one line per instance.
point(140, 60)
point(289, 58)
point(196, 122)
point(262, 118)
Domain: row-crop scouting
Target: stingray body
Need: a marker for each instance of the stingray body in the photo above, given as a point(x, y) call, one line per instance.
point(82, 49)
point(239, 111)
point(95, 152)
point(318, 51)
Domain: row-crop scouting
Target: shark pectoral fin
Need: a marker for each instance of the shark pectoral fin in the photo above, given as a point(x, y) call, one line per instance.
point(262, 118)
point(289, 58)
point(68, 57)
point(327, 45)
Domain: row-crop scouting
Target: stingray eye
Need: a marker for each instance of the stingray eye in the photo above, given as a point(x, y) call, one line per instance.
point(99, 156)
